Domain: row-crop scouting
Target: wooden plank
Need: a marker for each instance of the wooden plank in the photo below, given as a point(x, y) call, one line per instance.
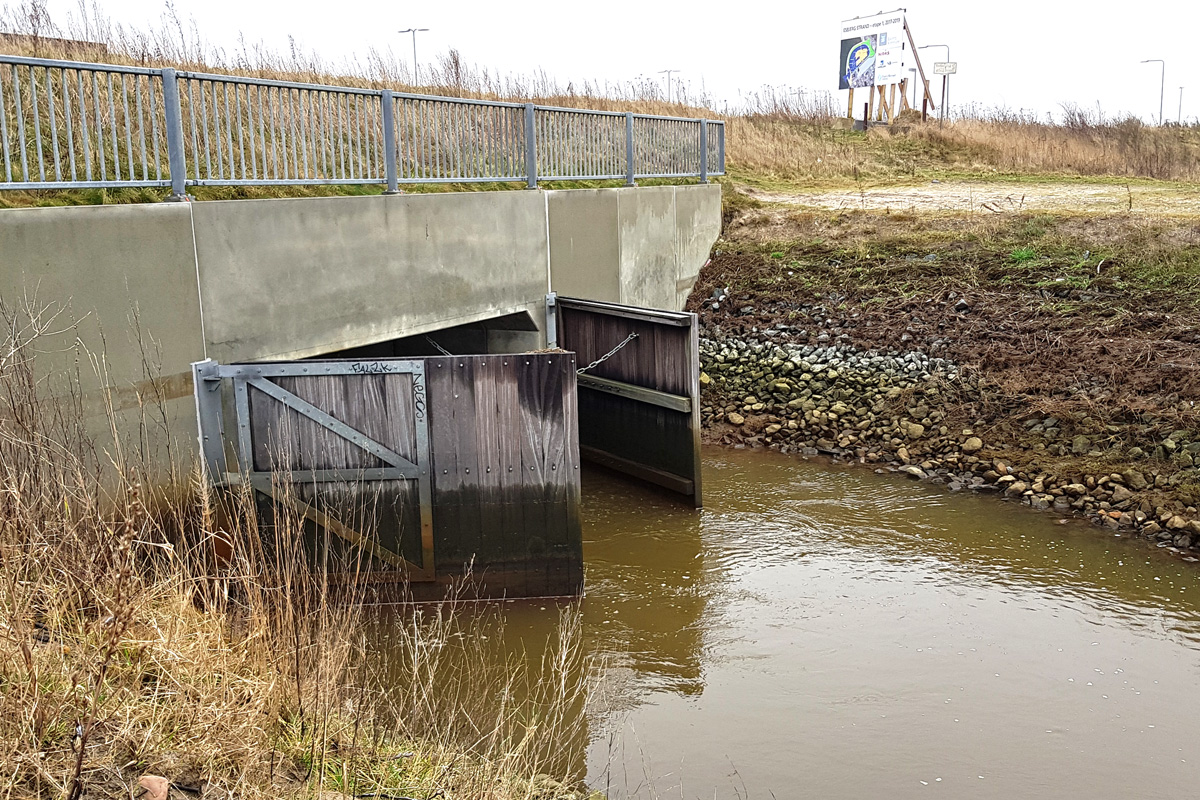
point(574, 524)
point(638, 470)
point(655, 315)
point(493, 546)
point(850, 104)
point(673, 402)
point(512, 473)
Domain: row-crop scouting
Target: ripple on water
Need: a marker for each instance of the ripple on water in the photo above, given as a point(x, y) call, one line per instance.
point(812, 614)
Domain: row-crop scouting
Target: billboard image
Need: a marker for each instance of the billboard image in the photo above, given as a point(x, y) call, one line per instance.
point(874, 51)
point(858, 62)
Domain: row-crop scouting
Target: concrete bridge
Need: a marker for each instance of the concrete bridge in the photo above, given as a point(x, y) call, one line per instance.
point(149, 289)
point(340, 353)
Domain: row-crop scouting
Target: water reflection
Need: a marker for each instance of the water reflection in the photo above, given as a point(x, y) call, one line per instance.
point(829, 632)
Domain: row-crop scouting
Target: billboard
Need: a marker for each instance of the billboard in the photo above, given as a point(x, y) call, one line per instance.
point(874, 51)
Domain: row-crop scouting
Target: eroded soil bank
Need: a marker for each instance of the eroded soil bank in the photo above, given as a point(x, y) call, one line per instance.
point(1051, 357)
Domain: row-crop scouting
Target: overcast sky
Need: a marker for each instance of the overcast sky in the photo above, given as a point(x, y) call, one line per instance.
point(1023, 54)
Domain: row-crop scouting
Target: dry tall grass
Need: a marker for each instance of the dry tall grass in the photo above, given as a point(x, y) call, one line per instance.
point(775, 133)
point(127, 648)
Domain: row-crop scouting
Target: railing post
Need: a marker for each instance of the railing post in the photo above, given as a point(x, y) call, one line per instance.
point(389, 141)
point(721, 148)
point(704, 151)
point(176, 161)
point(531, 170)
point(629, 171)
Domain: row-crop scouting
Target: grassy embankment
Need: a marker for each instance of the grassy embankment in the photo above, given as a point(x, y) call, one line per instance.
point(1086, 319)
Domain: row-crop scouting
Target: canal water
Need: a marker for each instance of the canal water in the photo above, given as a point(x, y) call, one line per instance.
point(824, 631)
point(828, 632)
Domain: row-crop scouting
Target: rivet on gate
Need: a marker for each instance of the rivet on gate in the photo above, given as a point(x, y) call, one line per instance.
point(554, 466)
point(489, 469)
point(444, 471)
point(510, 469)
point(468, 470)
point(462, 365)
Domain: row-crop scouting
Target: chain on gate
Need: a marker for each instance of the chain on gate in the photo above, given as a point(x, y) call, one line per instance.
point(607, 355)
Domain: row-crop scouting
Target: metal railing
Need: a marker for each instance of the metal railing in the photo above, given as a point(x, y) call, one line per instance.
point(71, 125)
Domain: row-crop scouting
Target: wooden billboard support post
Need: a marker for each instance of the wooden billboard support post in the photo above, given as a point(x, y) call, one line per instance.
point(920, 69)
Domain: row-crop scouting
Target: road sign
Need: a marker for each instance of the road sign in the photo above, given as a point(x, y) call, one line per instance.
point(945, 68)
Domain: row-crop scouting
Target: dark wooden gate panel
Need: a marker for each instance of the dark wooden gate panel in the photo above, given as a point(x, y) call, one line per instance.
point(506, 471)
point(431, 467)
point(639, 409)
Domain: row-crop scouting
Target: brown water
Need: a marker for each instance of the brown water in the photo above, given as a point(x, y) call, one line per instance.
point(825, 632)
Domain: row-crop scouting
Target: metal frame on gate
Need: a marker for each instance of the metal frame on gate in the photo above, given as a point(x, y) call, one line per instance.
point(208, 377)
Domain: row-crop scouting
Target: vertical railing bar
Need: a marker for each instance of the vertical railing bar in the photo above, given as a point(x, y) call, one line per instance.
point(128, 130)
point(314, 130)
point(154, 140)
point(203, 92)
point(99, 127)
point(294, 127)
point(352, 140)
point(285, 122)
point(141, 125)
point(229, 120)
point(62, 77)
point(218, 141)
point(256, 132)
point(237, 109)
point(53, 125)
point(384, 137)
point(274, 137)
point(451, 138)
point(112, 127)
point(322, 135)
point(262, 131)
point(369, 129)
point(302, 124)
point(422, 132)
point(37, 124)
point(341, 145)
point(4, 136)
point(250, 130)
point(192, 116)
point(358, 138)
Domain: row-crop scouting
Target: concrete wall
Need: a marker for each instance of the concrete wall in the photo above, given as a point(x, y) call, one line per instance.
point(122, 280)
point(147, 289)
point(283, 279)
point(641, 246)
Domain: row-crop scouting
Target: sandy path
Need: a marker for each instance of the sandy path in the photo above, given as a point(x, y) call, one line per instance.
point(985, 197)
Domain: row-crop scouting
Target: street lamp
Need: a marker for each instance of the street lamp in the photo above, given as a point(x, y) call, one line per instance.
point(414, 32)
point(945, 78)
point(1162, 85)
point(668, 73)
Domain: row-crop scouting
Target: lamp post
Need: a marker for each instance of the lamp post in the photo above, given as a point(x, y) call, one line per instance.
point(668, 73)
point(945, 81)
point(1162, 85)
point(414, 32)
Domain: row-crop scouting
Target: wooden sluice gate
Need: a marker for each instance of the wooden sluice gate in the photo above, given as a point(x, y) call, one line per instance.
point(415, 471)
point(418, 472)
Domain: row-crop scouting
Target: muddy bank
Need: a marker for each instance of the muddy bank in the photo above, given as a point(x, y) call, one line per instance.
point(1052, 360)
